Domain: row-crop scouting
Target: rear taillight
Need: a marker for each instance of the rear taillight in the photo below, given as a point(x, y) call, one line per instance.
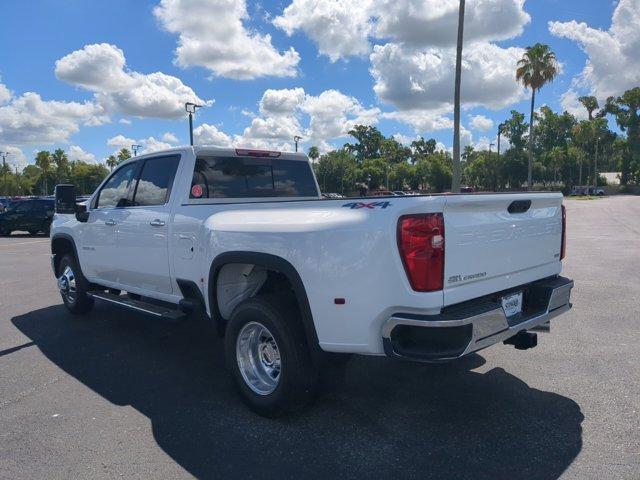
point(563, 245)
point(421, 245)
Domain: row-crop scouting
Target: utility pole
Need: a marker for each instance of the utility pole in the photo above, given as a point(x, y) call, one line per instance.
point(191, 108)
point(4, 170)
point(455, 182)
point(135, 149)
point(296, 139)
point(595, 167)
point(18, 181)
point(495, 170)
point(500, 127)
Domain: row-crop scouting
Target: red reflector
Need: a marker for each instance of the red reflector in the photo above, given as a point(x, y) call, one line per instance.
point(563, 245)
point(256, 153)
point(421, 245)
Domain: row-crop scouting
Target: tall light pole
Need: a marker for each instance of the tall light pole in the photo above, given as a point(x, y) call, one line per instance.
point(296, 139)
point(500, 127)
point(4, 170)
point(135, 149)
point(191, 108)
point(455, 181)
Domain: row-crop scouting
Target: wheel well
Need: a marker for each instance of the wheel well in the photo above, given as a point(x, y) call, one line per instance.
point(249, 274)
point(61, 246)
point(236, 282)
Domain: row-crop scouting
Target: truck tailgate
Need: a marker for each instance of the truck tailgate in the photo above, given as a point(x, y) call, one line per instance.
point(498, 241)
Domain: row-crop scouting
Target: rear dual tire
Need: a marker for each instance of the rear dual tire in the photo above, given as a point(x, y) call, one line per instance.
point(268, 355)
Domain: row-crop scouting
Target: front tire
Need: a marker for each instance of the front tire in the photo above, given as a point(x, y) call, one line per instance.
point(73, 286)
point(266, 351)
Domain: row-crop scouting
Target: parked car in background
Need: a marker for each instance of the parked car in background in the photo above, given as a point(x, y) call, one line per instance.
point(467, 190)
point(584, 190)
point(382, 193)
point(399, 193)
point(30, 215)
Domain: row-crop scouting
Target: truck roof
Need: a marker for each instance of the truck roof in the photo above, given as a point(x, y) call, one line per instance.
point(227, 152)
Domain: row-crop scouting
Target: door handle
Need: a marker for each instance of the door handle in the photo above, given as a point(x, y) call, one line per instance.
point(156, 223)
point(111, 222)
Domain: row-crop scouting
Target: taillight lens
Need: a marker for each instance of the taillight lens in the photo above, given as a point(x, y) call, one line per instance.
point(421, 245)
point(563, 245)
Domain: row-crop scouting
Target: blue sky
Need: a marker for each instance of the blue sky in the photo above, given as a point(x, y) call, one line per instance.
point(99, 117)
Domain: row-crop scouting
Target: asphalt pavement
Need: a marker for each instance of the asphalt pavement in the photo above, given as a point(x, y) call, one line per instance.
point(118, 395)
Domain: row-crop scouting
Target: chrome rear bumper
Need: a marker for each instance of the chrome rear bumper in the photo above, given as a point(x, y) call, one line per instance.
point(474, 325)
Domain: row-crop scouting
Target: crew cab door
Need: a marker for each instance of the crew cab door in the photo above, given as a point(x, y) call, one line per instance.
point(142, 258)
point(99, 249)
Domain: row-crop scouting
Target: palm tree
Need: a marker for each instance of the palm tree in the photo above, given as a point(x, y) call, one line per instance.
point(43, 160)
point(111, 162)
point(455, 178)
point(314, 153)
point(537, 67)
point(590, 103)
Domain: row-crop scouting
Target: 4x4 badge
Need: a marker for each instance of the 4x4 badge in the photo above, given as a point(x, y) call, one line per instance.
point(353, 205)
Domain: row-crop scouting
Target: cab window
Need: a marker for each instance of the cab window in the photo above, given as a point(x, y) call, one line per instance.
point(114, 193)
point(154, 184)
point(235, 177)
point(23, 207)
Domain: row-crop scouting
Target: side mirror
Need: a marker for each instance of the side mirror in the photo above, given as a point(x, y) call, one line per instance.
point(82, 214)
point(65, 199)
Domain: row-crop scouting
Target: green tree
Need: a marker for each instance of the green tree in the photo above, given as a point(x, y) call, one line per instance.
point(590, 103)
point(440, 171)
point(422, 147)
point(43, 162)
point(111, 162)
point(336, 171)
point(626, 110)
point(537, 67)
point(314, 153)
point(515, 129)
point(368, 142)
point(394, 152)
point(61, 162)
point(123, 154)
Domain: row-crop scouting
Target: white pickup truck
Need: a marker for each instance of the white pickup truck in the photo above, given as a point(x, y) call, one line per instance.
point(293, 281)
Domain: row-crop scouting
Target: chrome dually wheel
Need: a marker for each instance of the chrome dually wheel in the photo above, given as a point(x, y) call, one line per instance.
point(258, 358)
point(67, 285)
point(73, 286)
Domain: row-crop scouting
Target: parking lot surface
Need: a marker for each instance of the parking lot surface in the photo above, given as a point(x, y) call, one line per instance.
point(117, 394)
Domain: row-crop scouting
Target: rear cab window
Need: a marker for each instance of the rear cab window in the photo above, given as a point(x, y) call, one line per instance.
point(219, 177)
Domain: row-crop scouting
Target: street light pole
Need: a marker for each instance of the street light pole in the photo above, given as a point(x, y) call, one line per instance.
point(296, 139)
point(191, 108)
point(135, 149)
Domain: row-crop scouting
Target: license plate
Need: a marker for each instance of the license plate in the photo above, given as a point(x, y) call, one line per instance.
point(512, 304)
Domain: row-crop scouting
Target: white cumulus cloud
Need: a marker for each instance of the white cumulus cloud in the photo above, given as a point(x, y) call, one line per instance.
point(100, 68)
point(570, 103)
point(343, 28)
point(423, 79)
point(481, 123)
point(76, 153)
point(28, 119)
point(613, 62)
point(206, 134)
point(212, 34)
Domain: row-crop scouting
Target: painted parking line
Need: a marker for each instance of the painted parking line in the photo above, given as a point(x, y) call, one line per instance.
point(24, 243)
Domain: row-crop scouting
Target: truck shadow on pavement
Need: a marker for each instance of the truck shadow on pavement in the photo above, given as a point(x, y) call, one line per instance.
point(388, 419)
